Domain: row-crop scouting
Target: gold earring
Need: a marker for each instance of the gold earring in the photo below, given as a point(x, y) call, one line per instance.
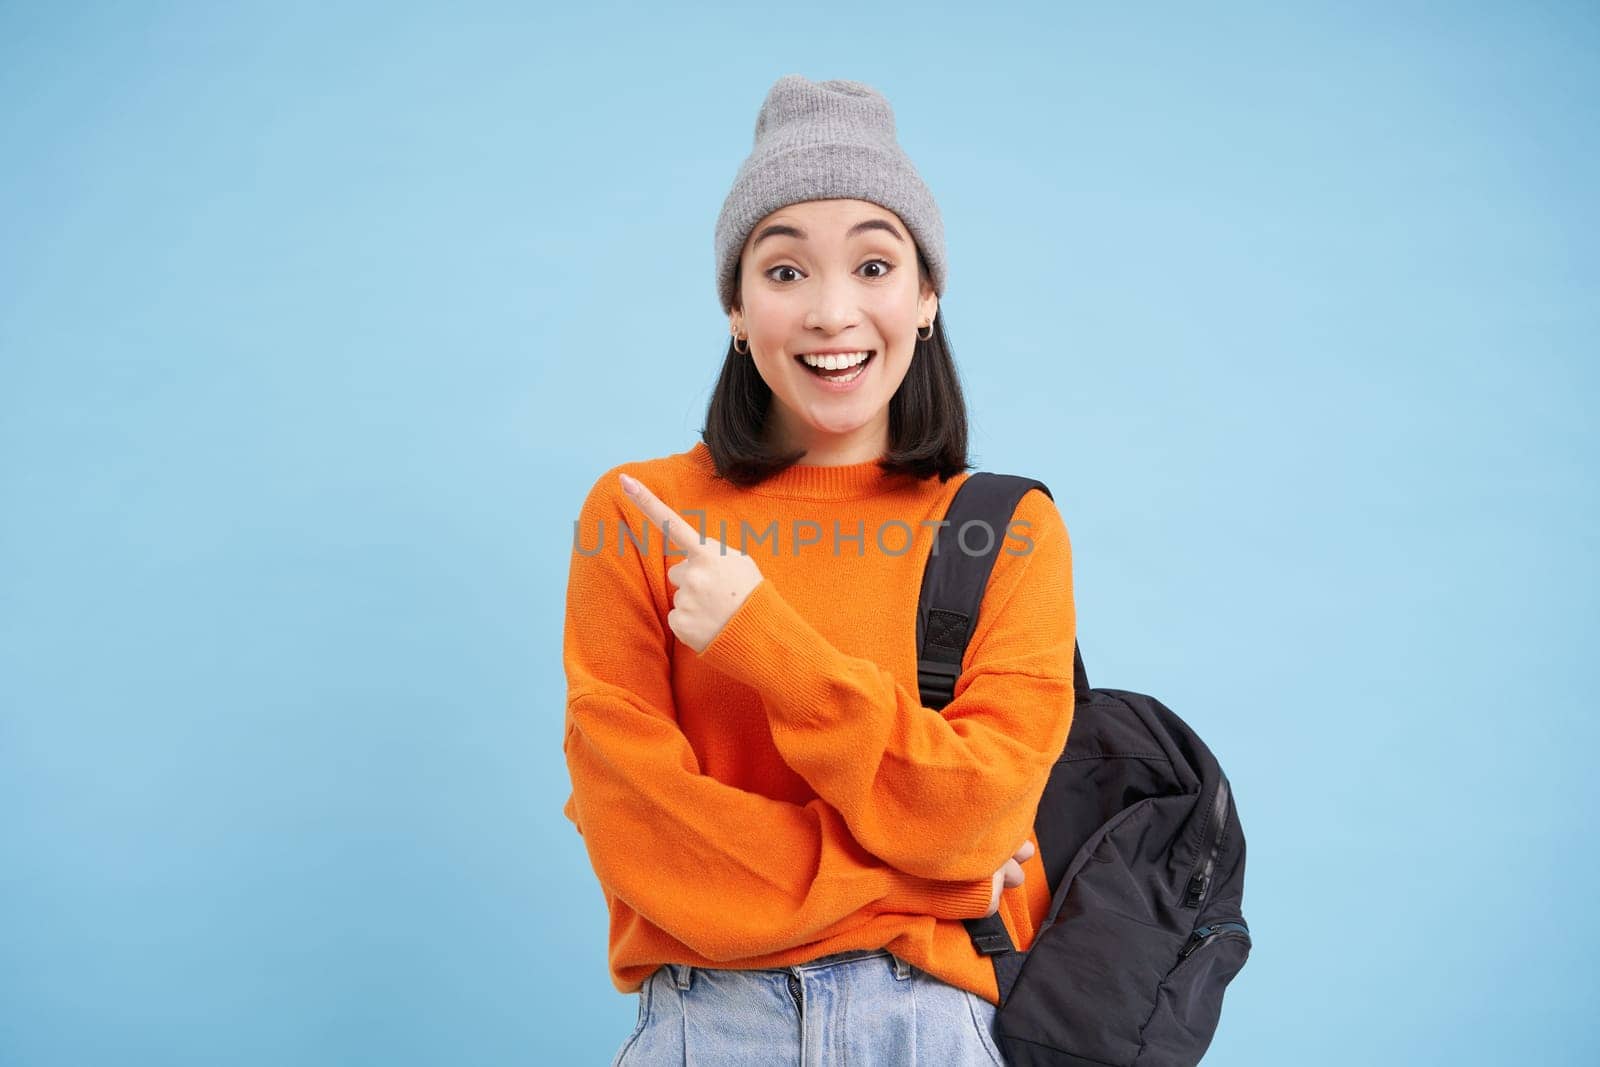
point(929, 336)
point(745, 351)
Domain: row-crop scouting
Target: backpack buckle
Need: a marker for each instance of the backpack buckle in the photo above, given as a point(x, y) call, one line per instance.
point(989, 935)
point(990, 944)
point(937, 679)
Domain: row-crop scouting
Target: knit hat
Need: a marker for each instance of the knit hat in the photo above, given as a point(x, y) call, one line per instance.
point(824, 141)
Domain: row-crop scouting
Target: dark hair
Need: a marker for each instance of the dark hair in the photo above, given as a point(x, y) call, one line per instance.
point(927, 415)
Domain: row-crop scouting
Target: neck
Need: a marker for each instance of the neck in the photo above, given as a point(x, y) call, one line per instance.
point(861, 445)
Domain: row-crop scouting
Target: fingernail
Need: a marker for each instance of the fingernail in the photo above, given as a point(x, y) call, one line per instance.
point(628, 484)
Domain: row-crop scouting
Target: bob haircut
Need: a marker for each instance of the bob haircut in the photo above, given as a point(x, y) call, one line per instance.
point(927, 415)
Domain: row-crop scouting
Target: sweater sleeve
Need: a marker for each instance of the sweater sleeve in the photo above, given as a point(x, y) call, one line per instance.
point(729, 873)
point(945, 795)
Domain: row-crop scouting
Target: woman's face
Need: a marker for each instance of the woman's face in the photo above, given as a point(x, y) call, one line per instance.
point(831, 276)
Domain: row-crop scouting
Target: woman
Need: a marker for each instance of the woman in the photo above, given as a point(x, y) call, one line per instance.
point(787, 840)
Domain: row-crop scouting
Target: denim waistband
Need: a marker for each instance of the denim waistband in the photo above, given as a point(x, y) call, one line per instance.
point(837, 957)
point(680, 973)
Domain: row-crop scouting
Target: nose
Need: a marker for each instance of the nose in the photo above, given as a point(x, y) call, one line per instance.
point(833, 308)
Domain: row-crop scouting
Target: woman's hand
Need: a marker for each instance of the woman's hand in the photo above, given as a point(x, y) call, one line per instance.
point(713, 579)
point(1009, 875)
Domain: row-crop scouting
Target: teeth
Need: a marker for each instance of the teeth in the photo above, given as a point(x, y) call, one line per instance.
point(836, 362)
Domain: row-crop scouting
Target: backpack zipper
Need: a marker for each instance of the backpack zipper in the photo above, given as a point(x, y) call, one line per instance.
point(794, 991)
point(1200, 881)
point(1202, 934)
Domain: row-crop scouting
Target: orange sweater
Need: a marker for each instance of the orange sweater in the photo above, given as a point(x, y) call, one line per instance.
point(785, 794)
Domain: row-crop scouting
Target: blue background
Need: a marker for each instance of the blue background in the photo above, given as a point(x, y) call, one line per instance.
point(318, 322)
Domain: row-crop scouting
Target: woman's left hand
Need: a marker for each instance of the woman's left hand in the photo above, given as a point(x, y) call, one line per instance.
point(713, 579)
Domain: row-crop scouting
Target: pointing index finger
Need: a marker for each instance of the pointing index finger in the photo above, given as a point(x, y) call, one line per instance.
point(678, 530)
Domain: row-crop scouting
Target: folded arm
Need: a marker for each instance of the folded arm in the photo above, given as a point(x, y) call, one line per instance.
point(730, 873)
point(943, 795)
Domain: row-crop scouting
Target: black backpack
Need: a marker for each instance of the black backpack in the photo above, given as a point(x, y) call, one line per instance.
point(1138, 836)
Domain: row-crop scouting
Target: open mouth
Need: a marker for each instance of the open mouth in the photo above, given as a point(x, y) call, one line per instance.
point(840, 369)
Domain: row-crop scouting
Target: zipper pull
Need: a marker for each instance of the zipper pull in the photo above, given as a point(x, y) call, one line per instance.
point(1196, 939)
point(1200, 881)
point(1204, 933)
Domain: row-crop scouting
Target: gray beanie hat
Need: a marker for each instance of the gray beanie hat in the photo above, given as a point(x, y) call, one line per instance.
point(825, 141)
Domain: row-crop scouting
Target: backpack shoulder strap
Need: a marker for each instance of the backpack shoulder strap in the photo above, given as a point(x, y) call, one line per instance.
point(957, 573)
point(953, 584)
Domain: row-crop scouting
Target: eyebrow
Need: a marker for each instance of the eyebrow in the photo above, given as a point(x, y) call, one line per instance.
point(779, 229)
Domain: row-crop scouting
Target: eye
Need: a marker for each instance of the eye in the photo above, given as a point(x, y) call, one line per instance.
point(885, 267)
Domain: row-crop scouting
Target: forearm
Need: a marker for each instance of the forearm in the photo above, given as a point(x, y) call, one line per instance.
point(731, 874)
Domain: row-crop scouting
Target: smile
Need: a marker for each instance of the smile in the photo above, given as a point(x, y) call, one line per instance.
point(839, 370)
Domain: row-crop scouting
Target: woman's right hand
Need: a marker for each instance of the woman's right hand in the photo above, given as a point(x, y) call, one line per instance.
point(1009, 875)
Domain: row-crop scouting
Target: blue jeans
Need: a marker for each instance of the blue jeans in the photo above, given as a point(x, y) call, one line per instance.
point(861, 1007)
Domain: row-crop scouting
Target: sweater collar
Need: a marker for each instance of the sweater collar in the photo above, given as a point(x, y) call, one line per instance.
point(808, 481)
